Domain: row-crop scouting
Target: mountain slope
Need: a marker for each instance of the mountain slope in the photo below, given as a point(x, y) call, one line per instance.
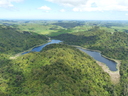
point(59, 70)
point(113, 45)
point(13, 41)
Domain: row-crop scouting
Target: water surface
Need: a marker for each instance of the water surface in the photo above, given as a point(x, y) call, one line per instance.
point(39, 48)
point(97, 56)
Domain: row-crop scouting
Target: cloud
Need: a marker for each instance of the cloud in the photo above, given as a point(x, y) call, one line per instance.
point(94, 5)
point(70, 3)
point(45, 8)
point(62, 10)
point(8, 3)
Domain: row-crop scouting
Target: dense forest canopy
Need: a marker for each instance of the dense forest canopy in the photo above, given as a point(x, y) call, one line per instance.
point(59, 69)
point(111, 44)
point(114, 45)
point(13, 41)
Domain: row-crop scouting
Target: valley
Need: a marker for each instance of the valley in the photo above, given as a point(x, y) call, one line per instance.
point(61, 69)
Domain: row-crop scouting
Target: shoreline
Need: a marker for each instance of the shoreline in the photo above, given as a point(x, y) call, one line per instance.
point(19, 54)
point(111, 59)
point(114, 75)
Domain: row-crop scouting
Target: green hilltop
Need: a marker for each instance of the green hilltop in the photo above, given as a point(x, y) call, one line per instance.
point(58, 70)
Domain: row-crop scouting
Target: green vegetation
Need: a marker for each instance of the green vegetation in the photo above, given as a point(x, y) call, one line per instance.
point(58, 70)
point(53, 27)
point(113, 45)
point(69, 24)
point(124, 77)
point(13, 41)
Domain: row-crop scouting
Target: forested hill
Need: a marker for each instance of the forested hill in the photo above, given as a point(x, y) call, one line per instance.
point(13, 41)
point(58, 70)
point(114, 45)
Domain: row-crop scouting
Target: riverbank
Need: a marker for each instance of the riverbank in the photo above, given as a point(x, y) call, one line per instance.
point(114, 75)
point(19, 54)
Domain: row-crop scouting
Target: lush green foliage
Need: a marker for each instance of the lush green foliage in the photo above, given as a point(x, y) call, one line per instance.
point(59, 70)
point(114, 45)
point(70, 24)
point(124, 77)
point(50, 27)
point(12, 41)
point(4, 74)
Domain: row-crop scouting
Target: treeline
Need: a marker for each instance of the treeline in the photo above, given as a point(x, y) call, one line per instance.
point(13, 41)
point(58, 70)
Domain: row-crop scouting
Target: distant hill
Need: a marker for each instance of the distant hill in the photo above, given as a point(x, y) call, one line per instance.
point(114, 45)
point(69, 24)
point(111, 44)
point(13, 41)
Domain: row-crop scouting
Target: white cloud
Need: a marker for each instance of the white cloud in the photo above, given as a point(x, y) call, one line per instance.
point(70, 3)
point(8, 3)
point(76, 9)
point(45, 8)
point(62, 10)
point(94, 5)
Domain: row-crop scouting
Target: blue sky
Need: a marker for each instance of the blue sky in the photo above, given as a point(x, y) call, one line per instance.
point(64, 9)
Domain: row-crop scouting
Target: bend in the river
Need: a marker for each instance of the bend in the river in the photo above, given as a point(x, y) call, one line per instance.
point(111, 67)
point(96, 55)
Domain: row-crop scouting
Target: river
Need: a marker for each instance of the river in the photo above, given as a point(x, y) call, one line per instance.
point(39, 48)
point(96, 55)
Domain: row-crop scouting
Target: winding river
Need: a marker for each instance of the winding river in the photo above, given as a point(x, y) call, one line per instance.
point(96, 55)
point(39, 48)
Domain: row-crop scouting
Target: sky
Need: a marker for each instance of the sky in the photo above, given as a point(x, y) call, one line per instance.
point(64, 9)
